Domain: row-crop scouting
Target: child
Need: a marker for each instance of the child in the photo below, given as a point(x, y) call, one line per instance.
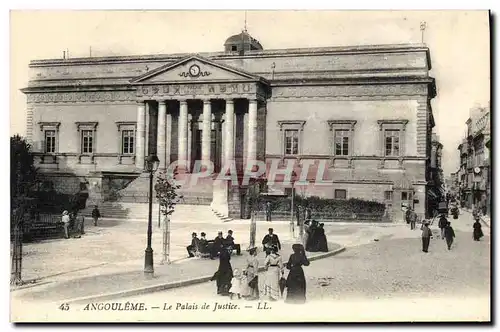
point(244, 288)
point(236, 284)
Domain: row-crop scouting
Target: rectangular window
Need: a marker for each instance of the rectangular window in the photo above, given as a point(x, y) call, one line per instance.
point(388, 195)
point(341, 142)
point(127, 142)
point(50, 141)
point(291, 142)
point(392, 143)
point(340, 194)
point(87, 141)
point(404, 196)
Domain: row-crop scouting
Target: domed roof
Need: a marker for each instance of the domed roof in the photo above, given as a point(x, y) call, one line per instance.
point(245, 37)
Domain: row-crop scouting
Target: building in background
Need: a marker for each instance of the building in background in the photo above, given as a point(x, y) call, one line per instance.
point(364, 112)
point(436, 185)
point(474, 172)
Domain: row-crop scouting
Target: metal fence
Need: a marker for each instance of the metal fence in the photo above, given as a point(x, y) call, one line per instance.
point(143, 197)
point(327, 217)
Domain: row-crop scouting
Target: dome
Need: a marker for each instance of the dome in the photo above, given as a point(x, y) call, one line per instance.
point(242, 41)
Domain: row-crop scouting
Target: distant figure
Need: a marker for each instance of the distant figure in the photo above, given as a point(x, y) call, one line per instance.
point(96, 215)
point(194, 246)
point(413, 219)
point(296, 280)
point(235, 284)
point(229, 242)
point(65, 219)
point(308, 213)
point(426, 236)
point(203, 243)
point(478, 232)
point(305, 236)
point(270, 240)
point(268, 211)
point(442, 224)
point(312, 239)
point(449, 234)
point(321, 238)
point(407, 215)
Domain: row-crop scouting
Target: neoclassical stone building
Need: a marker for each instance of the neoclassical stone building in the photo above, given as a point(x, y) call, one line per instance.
point(364, 110)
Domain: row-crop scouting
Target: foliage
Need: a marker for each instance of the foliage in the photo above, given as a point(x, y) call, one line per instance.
point(166, 192)
point(23, 177)
point(327, 205)
point(53, 202)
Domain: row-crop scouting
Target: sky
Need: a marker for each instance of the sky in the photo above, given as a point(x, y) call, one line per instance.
point(459, 43)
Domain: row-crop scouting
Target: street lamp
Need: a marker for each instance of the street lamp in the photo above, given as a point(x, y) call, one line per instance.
point(292, 228)
point(151, 163)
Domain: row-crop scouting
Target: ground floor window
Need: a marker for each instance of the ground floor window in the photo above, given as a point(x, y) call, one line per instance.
point(340, 194)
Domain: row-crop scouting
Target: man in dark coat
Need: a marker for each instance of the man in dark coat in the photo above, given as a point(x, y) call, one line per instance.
point(203, 243)
point(478, 232)
point(442, 224)
point(217, 245)
point(268, 211)
point(426, 236)
point(229, 242)
point(449, 234)
point(96, 215)
point(194, 246)
point(271, 240)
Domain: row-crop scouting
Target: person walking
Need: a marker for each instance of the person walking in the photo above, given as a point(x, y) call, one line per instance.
point(413, 219)
point(274, 271)
point(224, 274)
point(96, 215)
point(426, 236)
point(449, 234)
point(477, 234)
point(252, 270)
point(268, 211)
point(296, 280)
point(442, 225)
point(65, 220)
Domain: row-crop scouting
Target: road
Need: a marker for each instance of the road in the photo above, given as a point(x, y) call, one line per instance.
point(391, 271)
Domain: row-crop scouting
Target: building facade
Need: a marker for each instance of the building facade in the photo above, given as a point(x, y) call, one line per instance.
point(362, 113)
point(437, 192)
point(474, 173)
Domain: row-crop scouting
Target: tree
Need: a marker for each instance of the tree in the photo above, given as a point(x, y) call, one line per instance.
point(166, 193)
point(23, 180)
point(256, 186)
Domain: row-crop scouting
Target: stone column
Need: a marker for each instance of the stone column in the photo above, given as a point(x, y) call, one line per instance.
point(141, 133)
point(252, 131)
point(168, 140)
point(190, 142)
point(161, 140)
point(147, 129)
point(183, 131)
point(206, 132)
point(229, 132)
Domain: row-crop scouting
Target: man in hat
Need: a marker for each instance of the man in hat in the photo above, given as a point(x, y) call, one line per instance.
point(96, 215)
point(229, 241)
point(426, 236)
point(195, 245)
point(271, 240)
point(268, 211)
point(65, 219)
point(217, 245)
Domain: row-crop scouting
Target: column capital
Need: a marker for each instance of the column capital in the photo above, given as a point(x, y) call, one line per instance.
point(252, 101)
point(207, 101)
point(182, 101)
point(140, 102)
point(229, 101)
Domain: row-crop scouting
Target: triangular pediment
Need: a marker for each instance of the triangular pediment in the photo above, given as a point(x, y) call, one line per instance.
point(194, 69)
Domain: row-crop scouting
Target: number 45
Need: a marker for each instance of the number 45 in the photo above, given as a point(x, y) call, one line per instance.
point(64, 307)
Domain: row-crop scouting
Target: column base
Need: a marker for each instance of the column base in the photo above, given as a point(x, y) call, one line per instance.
point(148, 263)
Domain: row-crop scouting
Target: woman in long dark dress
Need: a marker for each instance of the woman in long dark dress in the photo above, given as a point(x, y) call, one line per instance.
point(312, 239)
point(224, 274)
point(322, 244)
point(296, 281)
point(478, 232)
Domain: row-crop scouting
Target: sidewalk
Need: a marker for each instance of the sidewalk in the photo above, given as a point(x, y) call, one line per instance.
point(127, 283)
point(486, 220)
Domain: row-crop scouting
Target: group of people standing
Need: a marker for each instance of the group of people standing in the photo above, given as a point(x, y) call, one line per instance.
point(244, 283)
point(314, 237)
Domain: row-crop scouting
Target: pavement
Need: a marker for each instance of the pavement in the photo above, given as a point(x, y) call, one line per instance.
point(107, 262)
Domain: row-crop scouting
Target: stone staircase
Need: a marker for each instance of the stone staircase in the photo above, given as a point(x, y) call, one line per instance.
point(139, 211)
point(221, 216)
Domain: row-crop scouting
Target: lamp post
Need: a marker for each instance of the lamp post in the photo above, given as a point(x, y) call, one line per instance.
point(292, 228)
point(151, 163)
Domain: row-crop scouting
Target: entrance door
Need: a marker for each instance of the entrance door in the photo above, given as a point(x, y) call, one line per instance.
point(196, 147)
